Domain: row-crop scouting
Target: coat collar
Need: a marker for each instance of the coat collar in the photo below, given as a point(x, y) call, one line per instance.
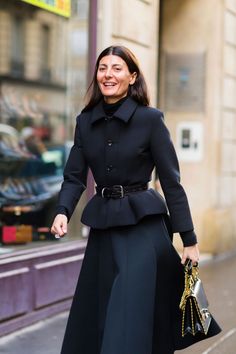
point(124, 112)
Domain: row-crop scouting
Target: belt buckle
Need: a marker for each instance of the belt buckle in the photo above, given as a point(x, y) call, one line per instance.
point(122, 194)
point(102, 192)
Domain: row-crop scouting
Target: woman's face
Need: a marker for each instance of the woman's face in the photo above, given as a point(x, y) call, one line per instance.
point(114, 78)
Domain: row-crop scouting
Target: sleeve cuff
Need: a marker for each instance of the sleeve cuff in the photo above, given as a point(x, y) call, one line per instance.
point(62, 210)
point(189, 238)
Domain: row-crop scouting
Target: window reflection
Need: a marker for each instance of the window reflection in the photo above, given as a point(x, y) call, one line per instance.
point(17, 47)
point(43, 79)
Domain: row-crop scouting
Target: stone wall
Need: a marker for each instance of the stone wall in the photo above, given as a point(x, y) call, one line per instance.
point(134, 24)
point(194, 28)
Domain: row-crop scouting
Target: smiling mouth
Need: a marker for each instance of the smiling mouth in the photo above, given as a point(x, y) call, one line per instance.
point(109, 84)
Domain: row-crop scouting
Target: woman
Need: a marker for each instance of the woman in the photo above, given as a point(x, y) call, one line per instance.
point(131, 280)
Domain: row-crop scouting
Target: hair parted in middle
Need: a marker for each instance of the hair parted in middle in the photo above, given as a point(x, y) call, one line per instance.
point(138, 91)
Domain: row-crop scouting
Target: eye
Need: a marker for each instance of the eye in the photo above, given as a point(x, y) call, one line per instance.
point(117, 68)
point(102, 68)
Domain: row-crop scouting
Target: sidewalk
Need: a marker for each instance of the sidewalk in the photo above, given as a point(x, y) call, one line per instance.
point(218, 277)
point(45, 337)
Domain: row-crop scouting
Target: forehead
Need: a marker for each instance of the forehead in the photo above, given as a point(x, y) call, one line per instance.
point(112, 60)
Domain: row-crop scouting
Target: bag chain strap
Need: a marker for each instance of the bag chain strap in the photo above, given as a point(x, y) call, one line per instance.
point(190, 277)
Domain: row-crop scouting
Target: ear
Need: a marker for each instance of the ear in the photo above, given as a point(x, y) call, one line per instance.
point(133, 78)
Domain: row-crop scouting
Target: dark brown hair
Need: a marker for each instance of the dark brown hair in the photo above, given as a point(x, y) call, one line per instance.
point(138, 91)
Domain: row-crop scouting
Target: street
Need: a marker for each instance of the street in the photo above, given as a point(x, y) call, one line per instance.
point(219, 281)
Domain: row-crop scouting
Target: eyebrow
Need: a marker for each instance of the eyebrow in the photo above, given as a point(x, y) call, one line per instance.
point(112, 65)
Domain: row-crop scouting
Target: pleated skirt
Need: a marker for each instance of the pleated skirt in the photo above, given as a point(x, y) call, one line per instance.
point(128, 292)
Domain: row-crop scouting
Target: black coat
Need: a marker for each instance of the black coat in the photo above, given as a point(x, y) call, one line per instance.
point(124, 150)
point(131, 280)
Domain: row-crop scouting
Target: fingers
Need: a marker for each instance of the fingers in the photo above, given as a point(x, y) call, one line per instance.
point(64, 225)
point(59, 226)
point(183, 260)
point(194, 260)
point(191, 253)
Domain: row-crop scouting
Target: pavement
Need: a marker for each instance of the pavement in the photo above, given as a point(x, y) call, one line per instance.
point(44, 337)
point(218, 276)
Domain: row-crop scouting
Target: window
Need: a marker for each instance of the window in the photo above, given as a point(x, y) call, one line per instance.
point(80, 8)
point(17, 47)
point(79, 42)
point(45, 48)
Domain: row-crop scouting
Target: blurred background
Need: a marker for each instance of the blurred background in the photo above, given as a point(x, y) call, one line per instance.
point(187, 50)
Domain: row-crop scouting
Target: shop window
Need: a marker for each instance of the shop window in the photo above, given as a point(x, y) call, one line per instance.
point(17, 47)
point(33, 145)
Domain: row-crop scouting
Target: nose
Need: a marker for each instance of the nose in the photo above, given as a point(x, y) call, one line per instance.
point(108, 73)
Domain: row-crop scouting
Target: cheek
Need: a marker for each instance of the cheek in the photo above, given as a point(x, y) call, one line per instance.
point(99, 82)
point(125, 84)
point(99, 77)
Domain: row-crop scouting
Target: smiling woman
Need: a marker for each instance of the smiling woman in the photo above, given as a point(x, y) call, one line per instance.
point(123, 71)
point(131, 280)
point(114, 78)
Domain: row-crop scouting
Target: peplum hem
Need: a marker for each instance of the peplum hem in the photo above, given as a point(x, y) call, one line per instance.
point(102, 213)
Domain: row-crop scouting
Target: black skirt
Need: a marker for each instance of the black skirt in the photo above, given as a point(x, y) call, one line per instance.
point(127, 297)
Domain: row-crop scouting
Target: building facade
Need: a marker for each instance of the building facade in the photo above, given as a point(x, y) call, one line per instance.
point(197, 93)
point(187, 52)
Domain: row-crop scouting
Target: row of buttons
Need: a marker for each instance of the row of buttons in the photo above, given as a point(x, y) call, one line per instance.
point(109, 168)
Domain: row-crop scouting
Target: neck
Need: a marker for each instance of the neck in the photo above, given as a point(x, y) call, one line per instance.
point(111, 108)
point(112, 100)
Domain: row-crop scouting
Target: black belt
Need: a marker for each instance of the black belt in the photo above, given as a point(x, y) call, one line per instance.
point(118, 191)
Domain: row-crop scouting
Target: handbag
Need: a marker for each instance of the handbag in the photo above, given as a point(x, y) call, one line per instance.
point(196, 317)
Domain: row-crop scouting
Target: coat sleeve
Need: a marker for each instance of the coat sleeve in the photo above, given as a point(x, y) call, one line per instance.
point(167, 166)
point(75, 176)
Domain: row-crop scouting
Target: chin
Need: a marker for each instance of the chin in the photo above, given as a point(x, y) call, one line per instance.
point(109, 94)
point(112, 97)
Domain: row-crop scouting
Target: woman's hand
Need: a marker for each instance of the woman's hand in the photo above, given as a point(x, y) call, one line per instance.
point(192, 253)
point(59, 226)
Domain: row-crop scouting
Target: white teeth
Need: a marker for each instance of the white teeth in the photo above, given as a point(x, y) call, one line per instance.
point(109, 84)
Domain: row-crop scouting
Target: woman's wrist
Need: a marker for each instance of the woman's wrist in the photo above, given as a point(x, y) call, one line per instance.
point(189, 238)
point(61, 210)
